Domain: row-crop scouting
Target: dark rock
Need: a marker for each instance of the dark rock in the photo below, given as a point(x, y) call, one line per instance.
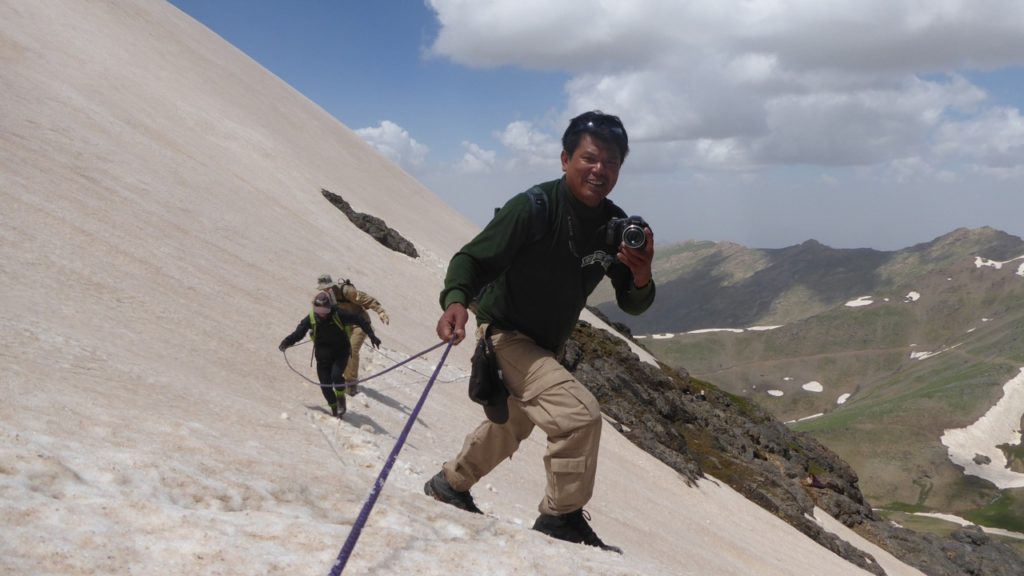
point(373, 226)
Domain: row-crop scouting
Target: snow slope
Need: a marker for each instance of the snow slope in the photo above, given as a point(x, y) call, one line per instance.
point(161, 231)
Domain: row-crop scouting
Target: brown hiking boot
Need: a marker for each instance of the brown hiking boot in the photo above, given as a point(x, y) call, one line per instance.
point(439, 488)
point(572, 527)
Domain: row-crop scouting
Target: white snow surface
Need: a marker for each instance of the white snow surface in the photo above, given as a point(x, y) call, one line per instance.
point(980, 262)
point(1000, 425)
point(927, 355)
point(813, 386)
point(861, 301)
point(162, 231)
point(963, 522)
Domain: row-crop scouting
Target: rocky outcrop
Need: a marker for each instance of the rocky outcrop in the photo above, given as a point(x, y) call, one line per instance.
point(696, 429)
point(373, 226)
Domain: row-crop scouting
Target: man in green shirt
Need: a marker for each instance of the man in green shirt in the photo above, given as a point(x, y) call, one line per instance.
point(534, 287)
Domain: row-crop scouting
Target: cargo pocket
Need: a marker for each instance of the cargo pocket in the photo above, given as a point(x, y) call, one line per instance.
point(567, 478)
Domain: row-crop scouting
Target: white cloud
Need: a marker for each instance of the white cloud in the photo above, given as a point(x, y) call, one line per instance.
point(994, 139)
point(530, 145)
point(570, 35)
point(395, 143)
point(828, 180)
point(736, 84)
point(523, 146)
point(476, 160)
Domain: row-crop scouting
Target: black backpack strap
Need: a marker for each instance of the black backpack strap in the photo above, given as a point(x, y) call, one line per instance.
point(538, 212)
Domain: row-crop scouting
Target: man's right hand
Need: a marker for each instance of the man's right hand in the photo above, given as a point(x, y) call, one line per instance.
point(452, 325)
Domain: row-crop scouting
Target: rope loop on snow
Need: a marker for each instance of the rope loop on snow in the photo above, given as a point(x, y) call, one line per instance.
point(361, 380)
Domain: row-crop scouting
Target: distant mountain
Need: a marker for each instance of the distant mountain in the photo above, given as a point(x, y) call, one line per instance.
point(725, 285)
point(876, 354)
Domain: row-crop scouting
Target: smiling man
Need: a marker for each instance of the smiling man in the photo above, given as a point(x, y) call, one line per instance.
point(530, 272)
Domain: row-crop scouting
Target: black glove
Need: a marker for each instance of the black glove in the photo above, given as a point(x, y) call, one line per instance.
point(282, 347)
point(375, 341)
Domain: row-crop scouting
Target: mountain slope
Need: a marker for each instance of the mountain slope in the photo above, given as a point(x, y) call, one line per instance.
point(162, 229)
point(927, 345)
point(693, 427)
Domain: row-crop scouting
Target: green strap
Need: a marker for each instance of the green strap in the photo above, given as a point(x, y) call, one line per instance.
point(337, 321)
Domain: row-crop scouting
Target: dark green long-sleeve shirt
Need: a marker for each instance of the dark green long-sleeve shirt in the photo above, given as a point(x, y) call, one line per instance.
point(540, 287)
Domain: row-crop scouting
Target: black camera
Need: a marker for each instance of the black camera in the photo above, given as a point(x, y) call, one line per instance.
point(630, 231)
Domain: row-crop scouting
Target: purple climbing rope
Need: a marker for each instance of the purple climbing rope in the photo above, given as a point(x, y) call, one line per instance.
point(378, 485)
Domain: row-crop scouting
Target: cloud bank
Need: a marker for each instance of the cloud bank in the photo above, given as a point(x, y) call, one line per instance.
point(738, 85)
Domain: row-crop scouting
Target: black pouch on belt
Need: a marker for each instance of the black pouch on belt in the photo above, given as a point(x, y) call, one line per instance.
point(485, 384)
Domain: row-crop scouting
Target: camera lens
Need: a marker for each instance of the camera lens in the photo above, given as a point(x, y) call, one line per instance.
point(633, 236)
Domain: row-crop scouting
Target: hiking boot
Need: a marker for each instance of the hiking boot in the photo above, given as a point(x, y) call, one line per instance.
point(352, 389)
point(338, 408)
point(439, 488)
point(572, 527)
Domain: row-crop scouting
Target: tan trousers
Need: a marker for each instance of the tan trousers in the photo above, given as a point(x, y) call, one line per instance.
point(543, 394)
point(352, 368)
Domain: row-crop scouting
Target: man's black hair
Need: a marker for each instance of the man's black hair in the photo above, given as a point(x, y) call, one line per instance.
point(604, 127)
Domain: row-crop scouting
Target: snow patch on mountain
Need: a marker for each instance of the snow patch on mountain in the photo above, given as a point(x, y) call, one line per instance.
point(862, 301)
point(926, 355)
point(1000, 425)
point(813, 386)
point(980, 262)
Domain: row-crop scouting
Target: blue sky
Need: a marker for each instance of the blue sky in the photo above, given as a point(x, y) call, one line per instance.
point(863, 123)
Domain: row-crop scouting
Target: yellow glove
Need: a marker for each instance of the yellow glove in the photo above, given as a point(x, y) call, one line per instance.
point(383, 316)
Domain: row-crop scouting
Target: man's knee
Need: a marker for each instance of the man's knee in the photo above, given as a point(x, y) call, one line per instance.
point(589, 415)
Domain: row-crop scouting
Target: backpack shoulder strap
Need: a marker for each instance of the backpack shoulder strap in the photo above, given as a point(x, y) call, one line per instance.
point(338, 321)
point(538, 212)
point(342, 284)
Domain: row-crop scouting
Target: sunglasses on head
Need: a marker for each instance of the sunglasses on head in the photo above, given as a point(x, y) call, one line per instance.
point(600, 122)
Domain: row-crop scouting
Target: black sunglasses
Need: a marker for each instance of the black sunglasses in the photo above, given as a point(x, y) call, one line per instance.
point(600, 122)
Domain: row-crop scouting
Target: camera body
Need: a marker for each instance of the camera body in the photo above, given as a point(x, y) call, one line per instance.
point(629, 231)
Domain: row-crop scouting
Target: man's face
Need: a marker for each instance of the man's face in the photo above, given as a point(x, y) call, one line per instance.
point(592, 171)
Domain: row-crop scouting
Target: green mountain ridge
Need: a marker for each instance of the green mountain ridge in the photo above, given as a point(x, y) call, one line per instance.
point(874, 353)
point(724, 285)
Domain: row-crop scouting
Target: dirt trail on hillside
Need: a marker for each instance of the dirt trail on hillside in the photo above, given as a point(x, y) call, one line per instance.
point(855, 353)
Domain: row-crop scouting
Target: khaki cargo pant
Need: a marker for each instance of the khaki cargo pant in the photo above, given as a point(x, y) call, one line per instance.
point(356, 338)
point(543, 394)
